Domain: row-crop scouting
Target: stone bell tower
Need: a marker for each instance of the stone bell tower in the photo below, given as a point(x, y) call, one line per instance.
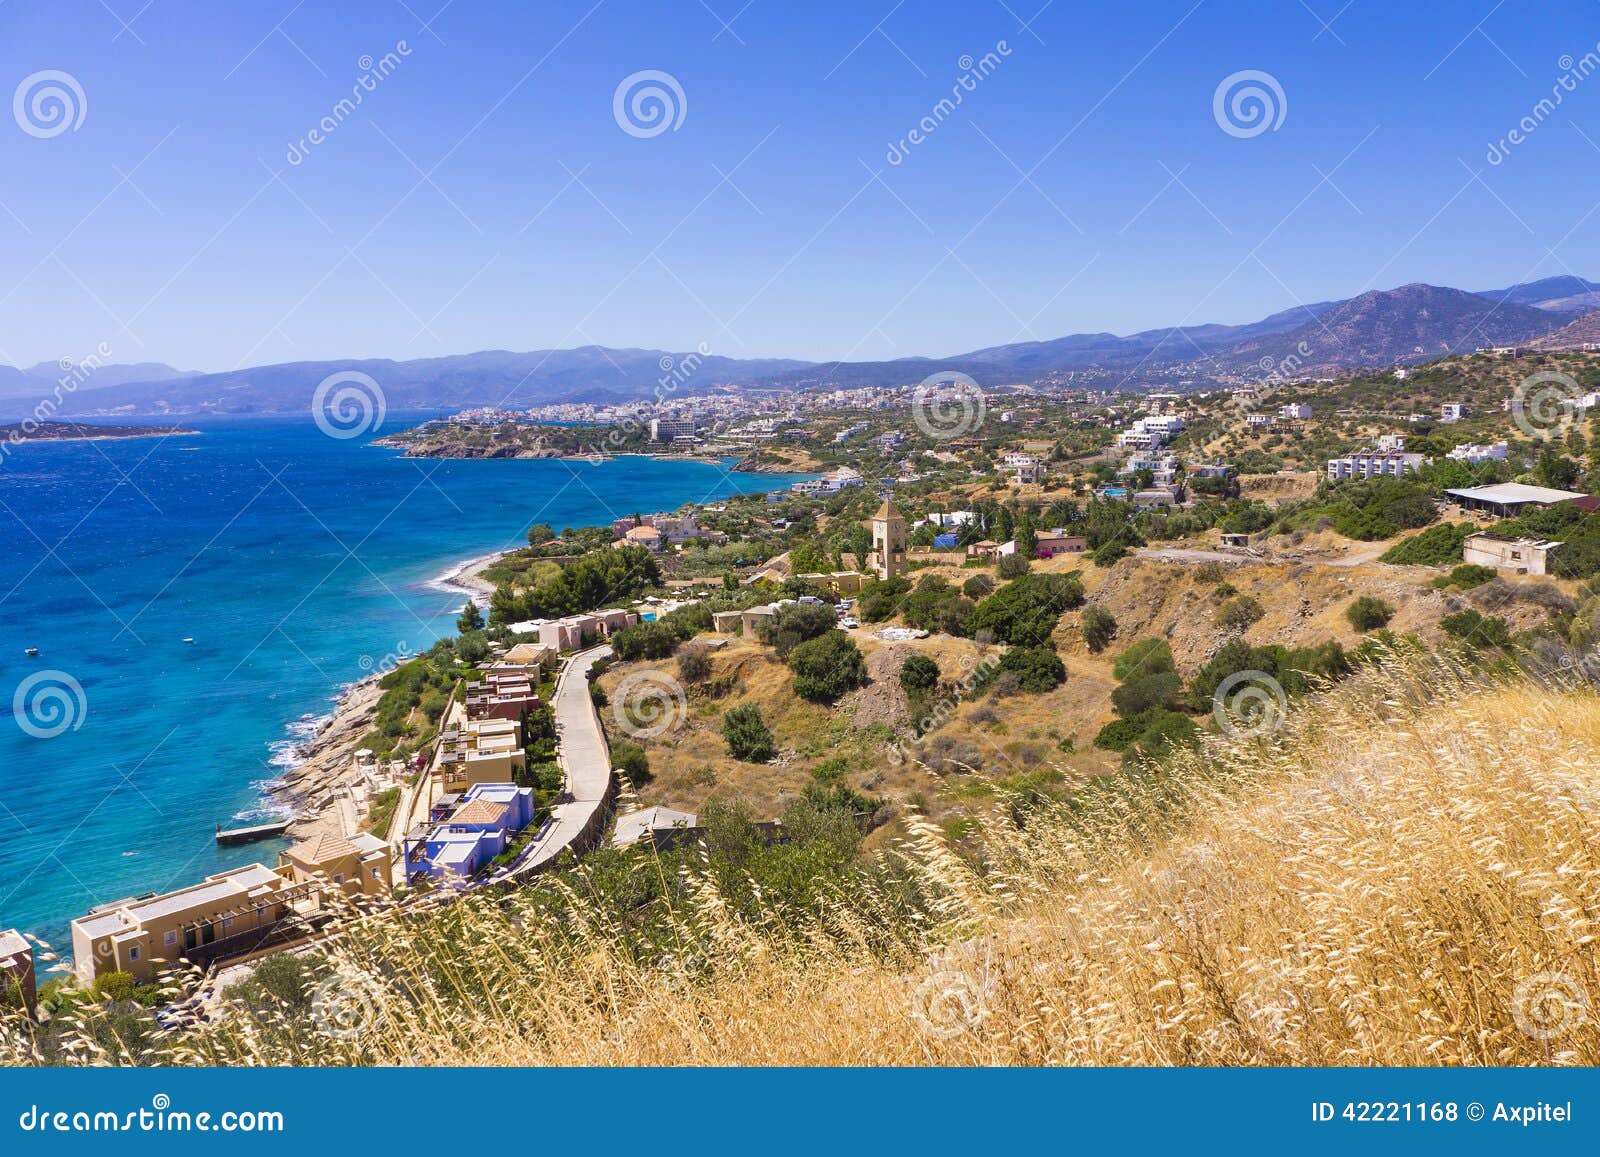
point(888, 541)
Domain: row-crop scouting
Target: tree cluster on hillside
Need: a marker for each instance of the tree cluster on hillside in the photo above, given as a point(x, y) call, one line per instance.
point(589, 583)
point(1025, 611)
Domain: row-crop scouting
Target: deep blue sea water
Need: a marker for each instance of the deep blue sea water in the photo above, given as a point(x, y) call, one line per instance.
point(294, 560)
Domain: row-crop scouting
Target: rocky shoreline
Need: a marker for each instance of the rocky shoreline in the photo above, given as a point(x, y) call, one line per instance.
point(326, 762)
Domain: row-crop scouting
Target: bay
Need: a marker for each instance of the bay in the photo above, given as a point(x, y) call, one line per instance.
point(295, 561)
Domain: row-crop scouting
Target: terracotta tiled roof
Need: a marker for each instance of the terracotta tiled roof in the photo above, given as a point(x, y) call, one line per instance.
point(322, 848)
point(480, 811)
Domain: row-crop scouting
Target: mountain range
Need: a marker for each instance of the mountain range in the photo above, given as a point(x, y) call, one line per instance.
point(1375, 329)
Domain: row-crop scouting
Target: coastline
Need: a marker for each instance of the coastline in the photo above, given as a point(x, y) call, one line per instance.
point(325, 762)
point(319, 766)
point(34, 439)
point(464, 578)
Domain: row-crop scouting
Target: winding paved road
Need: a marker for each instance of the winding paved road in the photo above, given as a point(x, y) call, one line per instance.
point(585, 760)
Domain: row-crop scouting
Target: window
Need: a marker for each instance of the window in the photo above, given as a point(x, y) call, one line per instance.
point(227, 923)
point(133, 952)
point(338, 877)
point(170, 939)
point(375, 874)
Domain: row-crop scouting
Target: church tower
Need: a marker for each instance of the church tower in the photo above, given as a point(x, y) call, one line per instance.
point(888, 541)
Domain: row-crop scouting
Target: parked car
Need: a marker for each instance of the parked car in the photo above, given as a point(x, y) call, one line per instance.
point(850, 624)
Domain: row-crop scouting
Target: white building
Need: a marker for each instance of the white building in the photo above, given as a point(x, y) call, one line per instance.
point(1259, 421)
point(1521, 555)
point(948, 520)
point(1295, 411)
point(1474, 452)
point(1452, 412)
point(1151, 431)
point(1026, 468)
point(1163, 467)
point(1372, 464)
point(671, 429)
point(1392, 443)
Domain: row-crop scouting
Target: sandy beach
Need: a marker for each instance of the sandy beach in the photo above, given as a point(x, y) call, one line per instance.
point(464, 578)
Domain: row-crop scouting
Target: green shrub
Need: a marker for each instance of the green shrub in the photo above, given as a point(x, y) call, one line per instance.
point(919, 673)
point(1149, 733)
point(1296, 671)
point(694, 664)
point(746, 735)
point(1099, 628)
point(1012, 566)
point(1110, 553)
point(1025, 611)
point(1477, 630)
point(114, 986)
point(1466, 577)
point(647, 640)
point(881, 600)
point(1139, 694)
point(1240, 612)
point(1368, 613)
point(827, 666)
point(1037, 669)
point(1145, 657)
point(978, 586)
point(797, 623)
point(1164, 731)
point(631, 760)
point(1433, 547)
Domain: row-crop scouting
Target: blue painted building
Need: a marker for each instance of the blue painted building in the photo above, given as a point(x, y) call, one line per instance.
point(478, 831)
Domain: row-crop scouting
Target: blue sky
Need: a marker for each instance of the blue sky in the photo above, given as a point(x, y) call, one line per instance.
point(484, 196)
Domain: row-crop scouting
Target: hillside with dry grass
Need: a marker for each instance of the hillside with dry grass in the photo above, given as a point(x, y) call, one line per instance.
point(1407, 873)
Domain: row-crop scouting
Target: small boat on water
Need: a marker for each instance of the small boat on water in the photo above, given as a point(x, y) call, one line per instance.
point(189, 639)
point(33, 652)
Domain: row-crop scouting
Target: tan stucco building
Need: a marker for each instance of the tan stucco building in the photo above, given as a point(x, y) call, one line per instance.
point(357, 865)
point(482, 751)
point(141, 933)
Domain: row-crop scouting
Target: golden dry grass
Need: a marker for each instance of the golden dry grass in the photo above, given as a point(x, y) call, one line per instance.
point(1408, 874)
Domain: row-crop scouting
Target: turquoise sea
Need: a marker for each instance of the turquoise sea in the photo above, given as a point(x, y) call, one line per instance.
point(294, 560)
